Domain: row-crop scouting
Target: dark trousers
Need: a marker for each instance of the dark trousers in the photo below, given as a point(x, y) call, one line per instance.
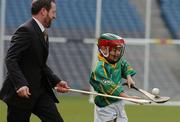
point(44, 108)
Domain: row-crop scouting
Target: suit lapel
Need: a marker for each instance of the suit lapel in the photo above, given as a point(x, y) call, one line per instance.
point(41, 40)
point(44, 42)
point(40, 35)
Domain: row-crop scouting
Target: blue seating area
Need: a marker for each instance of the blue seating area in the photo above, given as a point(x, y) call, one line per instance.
point(170, 12)
point(76, 19)
point(16, 13)
point(121, 17)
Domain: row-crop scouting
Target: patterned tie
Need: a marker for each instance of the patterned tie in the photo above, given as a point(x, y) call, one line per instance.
point(45, 35)
point(46, 39)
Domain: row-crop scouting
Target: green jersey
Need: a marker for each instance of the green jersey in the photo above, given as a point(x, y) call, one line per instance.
point(106, 79)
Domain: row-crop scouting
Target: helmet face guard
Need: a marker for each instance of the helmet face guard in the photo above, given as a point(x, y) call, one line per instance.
point(111, 41)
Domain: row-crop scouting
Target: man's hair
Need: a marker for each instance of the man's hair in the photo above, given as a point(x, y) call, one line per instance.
point(37, 5)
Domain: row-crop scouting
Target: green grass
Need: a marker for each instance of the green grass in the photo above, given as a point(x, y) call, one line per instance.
point(151, 113)
point(78, 109)
point(72, 109)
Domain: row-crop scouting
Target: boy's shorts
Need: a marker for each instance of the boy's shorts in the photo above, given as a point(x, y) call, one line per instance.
point(111, 112)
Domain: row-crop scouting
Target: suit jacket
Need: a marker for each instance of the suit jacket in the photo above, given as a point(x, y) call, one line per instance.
point(26, 66)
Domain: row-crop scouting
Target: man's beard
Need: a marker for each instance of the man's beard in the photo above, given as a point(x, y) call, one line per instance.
point(48, 24)
point(47, 21)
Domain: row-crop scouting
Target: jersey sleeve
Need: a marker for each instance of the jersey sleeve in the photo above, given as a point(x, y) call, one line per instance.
point(102, 82)
point(127, 69)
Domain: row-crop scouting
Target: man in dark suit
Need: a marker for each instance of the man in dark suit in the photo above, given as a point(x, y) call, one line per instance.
point(28, 86)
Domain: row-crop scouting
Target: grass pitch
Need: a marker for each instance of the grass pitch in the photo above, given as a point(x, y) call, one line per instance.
point(78, 109)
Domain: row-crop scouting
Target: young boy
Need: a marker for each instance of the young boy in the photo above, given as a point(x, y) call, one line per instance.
point(107, 76)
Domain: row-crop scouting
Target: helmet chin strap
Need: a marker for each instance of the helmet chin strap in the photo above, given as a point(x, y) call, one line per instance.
point(105, 55)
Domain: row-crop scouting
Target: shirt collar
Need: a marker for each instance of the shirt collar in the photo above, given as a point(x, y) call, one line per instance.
point(39, 24)
point(101, 58)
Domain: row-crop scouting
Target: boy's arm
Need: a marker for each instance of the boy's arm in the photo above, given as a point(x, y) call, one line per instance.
point(122, 94)
point(130, 81)
point(127, 69)
point(127, 72)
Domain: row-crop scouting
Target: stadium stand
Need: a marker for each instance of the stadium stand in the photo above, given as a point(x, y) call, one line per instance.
point(76, 18)
point(158, 28)
point(71, 61)
point(170, 13)
point(76, 21)
point(121, 17)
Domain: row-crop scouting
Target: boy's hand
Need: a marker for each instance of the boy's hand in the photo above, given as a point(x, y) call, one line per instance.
point(130, 81)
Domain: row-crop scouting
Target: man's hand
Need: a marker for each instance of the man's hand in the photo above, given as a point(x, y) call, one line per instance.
point(23, 92)
point(62, 87)
point(130, 81)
